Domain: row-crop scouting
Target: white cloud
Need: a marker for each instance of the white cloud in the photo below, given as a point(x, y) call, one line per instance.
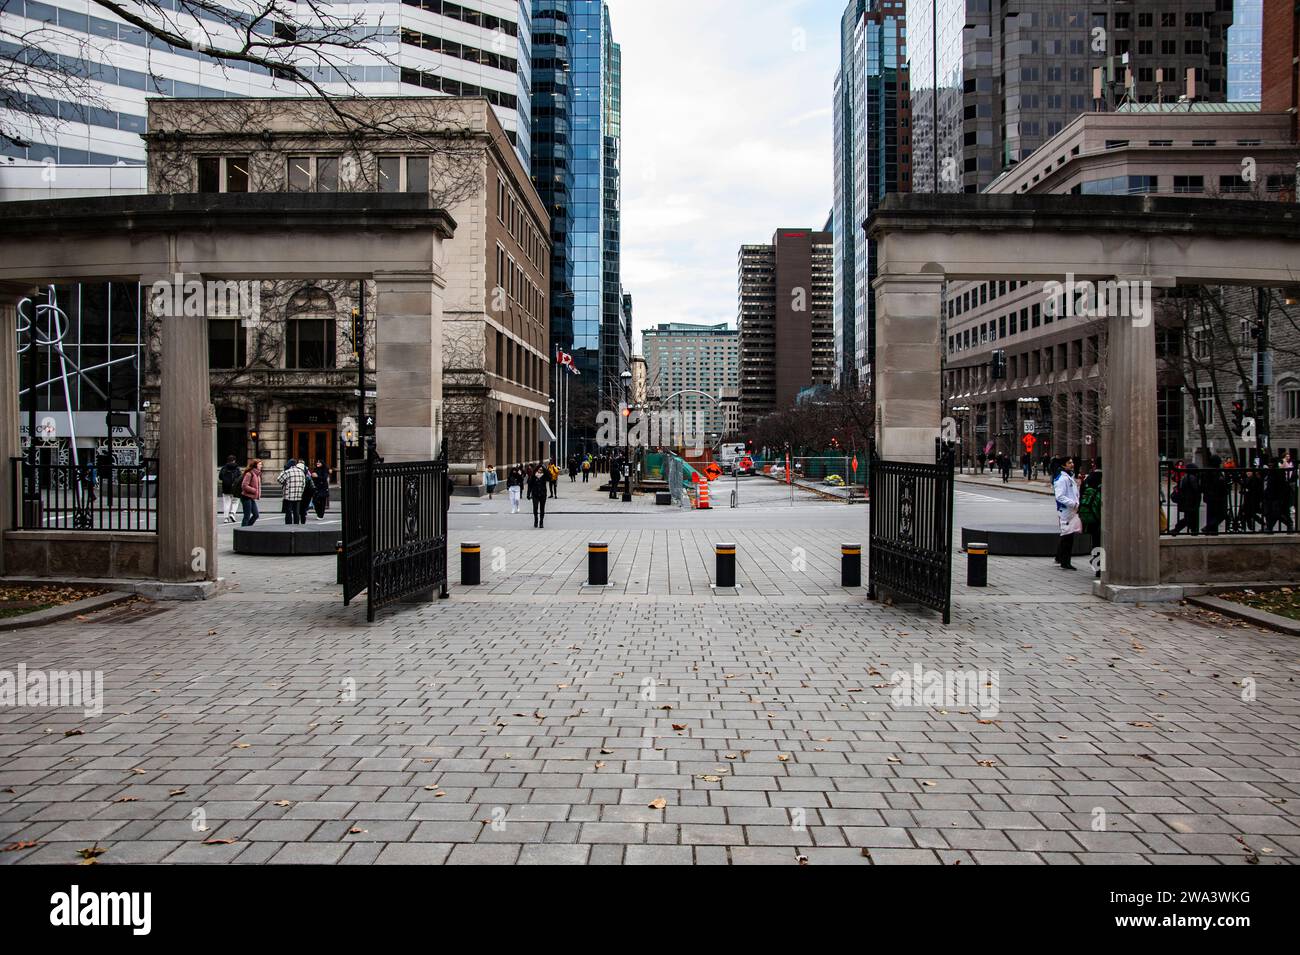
point(726, 138)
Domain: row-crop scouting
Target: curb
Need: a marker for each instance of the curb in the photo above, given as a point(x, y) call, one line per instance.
point(1261, 618)
point(1042, 492)
point(40, 618)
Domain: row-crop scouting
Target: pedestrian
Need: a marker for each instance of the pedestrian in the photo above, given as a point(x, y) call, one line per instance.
point(1066, 491)
point(321, 495)
point(1252, 501)
point(515, 486)
point(553, 477)
point(1090, 510)
point(613, 477)
point(586, 468)
point(1279, 493)
point(490, 480)
point(1214, 490)
point(573, 468)
point(308, 493)
point(1187, 495)
point(292, 480)
point(229, 477)
point(537, 491)
point(250, 491)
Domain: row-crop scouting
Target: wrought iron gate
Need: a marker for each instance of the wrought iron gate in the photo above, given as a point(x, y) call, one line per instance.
point(910, 546)
point(394, 529)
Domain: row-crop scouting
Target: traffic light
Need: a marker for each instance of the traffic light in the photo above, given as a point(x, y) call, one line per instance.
point(1238, 417)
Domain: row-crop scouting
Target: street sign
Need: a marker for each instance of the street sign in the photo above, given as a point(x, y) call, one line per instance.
point(370, 393)
point(855, 464)
point(1030, 425)
point(1028, 441)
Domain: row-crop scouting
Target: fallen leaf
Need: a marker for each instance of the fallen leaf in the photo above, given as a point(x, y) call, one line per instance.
point(658, 803)
point(74, 733)
point(126, 799)
point(93, 852)
point(679, 726)
point(18, 846)
point(709, 777)
point(177, 792)
point(783, 757)
point(243, 745)
point(283, 802)
point(355, 831)
point(219, 842)
point(600, 764)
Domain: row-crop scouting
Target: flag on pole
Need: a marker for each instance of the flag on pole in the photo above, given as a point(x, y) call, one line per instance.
point(565, 360)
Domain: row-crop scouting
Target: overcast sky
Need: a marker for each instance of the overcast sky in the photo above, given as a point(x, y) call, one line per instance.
point(726, 138)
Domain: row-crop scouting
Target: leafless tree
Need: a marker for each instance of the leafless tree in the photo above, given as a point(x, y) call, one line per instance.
point(307, 45)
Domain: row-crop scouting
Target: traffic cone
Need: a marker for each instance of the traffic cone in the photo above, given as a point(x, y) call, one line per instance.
point(704, 496)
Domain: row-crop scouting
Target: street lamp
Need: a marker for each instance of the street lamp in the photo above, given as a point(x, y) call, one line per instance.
point(627, 460)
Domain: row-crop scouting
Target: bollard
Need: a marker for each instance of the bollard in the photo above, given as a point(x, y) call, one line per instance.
point(338, 571)
point(977, 564)
point(469, 563)
point(725, 574)
point(598, 564)
point(850, 565)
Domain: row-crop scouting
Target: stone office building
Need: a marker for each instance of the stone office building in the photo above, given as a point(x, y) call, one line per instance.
point(1055, 358)
point(284, 378)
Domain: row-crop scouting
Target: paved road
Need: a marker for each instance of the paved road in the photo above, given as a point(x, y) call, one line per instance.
point(530, 720)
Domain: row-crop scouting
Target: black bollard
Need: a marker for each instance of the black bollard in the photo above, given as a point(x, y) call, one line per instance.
point(725, 575)
point(597, 564)
point(977, 564)
point(850, 565)
point(338, 551)
point(469, 563)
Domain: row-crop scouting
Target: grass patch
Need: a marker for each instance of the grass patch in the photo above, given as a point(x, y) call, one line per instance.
point(1285, 601)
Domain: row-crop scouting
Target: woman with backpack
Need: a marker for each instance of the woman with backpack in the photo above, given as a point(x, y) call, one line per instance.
point(538, 483)
point(250, 491)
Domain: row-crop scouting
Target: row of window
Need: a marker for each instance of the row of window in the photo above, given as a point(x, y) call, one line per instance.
point(513, 281)
point(517, 363)
point(316, 173)
point(434, 81)
point(309, 343)
point(477, 18)
point(461, 51)
point(513, 214)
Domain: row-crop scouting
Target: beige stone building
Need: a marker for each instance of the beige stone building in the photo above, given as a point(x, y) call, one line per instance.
point(284, 372)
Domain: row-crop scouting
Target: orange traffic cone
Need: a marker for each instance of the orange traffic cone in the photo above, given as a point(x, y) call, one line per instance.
point(704, 496)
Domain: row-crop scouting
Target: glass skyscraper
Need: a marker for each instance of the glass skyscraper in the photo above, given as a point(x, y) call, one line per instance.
point(577, 114)
point(872, 158)
point(1245, 41)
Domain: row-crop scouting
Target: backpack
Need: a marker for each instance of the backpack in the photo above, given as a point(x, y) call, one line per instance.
point(1090, 506)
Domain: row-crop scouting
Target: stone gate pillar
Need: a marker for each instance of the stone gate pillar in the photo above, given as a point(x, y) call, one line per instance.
point(1130, 499)
point(10, 445)
point(408, 365)
point(187, 472)
point(908, 358)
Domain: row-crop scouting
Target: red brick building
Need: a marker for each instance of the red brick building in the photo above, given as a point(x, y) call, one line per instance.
point(1280, 87)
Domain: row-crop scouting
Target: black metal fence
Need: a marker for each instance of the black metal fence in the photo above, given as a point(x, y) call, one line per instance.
point(910, 544)
point(1260, 500)
point(394, 529)
point(84, 497)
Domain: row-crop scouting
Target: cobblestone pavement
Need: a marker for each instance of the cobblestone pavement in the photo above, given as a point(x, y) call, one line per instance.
point(534, 721)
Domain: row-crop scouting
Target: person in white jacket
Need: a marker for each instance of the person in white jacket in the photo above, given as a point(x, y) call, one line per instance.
point(1066, 490)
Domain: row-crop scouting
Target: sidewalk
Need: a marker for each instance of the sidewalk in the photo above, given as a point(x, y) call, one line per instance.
point(1017, 482)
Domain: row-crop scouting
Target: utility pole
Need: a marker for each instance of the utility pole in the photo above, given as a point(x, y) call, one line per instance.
point(359, 341)
point(1263, 368)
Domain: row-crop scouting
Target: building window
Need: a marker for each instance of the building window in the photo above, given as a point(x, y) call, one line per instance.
point(390, 173)
point(223, 174)
point(1291, 402)
point(310, 343)
point(1205, 398)
point(227, 346)
point(1189, 183)
point(313, 174)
